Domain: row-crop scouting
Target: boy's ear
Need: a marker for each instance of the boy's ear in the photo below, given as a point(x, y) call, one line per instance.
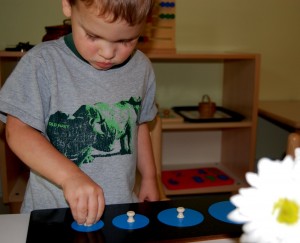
point(66, 7)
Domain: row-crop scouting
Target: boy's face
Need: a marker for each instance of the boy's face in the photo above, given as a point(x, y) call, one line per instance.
point(101, 43)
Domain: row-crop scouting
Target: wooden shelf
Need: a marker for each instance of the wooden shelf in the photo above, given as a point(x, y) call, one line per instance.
point(6, 54)
point(204, 126)
point(172, 55)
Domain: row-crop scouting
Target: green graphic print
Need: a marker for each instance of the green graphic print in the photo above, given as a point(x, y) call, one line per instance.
point(95, 130)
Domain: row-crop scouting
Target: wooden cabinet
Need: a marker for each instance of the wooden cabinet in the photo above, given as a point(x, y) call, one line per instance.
point(240, 93)
point(238, 139)
point(14, 173)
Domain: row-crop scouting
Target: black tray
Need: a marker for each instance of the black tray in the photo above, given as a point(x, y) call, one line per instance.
point(54, 225)
point(191, 114)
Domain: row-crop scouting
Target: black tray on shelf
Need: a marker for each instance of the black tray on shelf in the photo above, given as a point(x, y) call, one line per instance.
point(191, 114)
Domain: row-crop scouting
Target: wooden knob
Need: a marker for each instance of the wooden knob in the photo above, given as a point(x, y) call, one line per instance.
point(180, 211)
point(130, 215)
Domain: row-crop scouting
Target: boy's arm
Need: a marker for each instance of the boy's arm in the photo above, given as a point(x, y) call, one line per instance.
point(84, 196)
point(146, 166)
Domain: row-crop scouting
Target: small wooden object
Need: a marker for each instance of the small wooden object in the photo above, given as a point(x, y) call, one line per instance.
point(293, 143)
point(206, 107)
point(130, 215)
point(180, 211)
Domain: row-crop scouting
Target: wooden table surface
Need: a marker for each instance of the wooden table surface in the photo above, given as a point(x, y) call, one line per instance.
point(284, 112)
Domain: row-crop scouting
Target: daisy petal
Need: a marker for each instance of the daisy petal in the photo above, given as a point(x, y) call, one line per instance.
point(252, 179)
point(237, 217)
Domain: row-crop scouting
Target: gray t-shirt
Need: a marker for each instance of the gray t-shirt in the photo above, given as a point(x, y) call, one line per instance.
point(89, 115)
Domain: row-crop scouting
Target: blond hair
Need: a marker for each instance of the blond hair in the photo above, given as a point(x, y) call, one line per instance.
point(132, 11)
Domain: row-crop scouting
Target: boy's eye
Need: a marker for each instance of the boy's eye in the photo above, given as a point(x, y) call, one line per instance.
point(124, 41)
point(91, 37)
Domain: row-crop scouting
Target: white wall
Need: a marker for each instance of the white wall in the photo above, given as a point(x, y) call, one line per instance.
point(22, 21)
point(269, 27)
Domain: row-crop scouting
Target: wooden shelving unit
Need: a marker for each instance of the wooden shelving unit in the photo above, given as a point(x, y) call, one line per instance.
point(14, 173)
point(240, 94)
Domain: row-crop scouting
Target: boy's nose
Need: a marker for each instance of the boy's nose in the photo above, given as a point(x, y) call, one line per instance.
point(107, 51)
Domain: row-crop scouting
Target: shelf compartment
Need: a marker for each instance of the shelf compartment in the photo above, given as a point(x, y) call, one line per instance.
point(238, 181)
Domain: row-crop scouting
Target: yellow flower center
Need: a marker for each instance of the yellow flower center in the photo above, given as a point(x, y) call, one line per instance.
point(288, 211)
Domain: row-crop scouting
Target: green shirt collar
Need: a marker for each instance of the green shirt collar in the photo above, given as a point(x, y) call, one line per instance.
point(70, 43)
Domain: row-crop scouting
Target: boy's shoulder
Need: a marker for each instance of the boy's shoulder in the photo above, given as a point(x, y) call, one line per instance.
point(44, 48)
point(140, 56)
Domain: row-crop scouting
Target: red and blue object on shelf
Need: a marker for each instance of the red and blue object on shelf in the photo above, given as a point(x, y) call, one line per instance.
point(195, 178)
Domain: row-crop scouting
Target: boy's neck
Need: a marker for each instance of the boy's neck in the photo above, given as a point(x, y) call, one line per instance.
point(70, 43)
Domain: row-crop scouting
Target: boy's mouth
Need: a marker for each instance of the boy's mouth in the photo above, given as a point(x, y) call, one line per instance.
point(103, 65)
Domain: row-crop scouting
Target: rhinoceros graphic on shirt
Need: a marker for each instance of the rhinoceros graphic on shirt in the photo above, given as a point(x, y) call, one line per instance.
point(95, 130)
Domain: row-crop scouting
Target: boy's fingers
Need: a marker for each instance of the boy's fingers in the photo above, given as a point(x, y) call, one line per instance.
point(92, 211)
point(101, 205)
point(95, 212)
point(81, 210)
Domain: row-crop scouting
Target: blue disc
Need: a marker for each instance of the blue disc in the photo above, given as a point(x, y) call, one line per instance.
point(83, 228)
point(140, 221)
point(191, 217)
point(220, 210)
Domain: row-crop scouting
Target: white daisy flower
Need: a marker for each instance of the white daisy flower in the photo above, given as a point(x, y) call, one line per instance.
point(270, 207)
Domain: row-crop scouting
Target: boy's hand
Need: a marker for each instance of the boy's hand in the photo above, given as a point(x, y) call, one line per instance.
point(85, 198)
point(149, 190)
